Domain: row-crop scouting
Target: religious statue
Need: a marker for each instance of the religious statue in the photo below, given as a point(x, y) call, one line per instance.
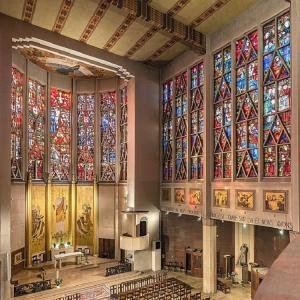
point(243, 258)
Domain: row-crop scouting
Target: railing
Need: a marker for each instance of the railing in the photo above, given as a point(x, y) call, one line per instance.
point(70, 297)
point(134, 243)
point(120, 268)
point(136, 283)
point(33, 287)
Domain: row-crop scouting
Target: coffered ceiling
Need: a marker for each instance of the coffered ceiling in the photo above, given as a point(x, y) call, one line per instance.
point(111, 25)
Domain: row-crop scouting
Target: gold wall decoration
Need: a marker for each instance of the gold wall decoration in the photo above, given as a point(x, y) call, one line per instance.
point(60, 206)
point(179, 196)
point(38, 224)
point(195, 197)
point(276, 201)
point(85, 216)
point(245, 199)
point(166, 194)
point(221, 198)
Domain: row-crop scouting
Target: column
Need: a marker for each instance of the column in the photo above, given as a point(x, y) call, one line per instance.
point(28, 223)
point(209, 256)
point(48, 239)
point(72, 211)
point(95, 216)
point(5, 185)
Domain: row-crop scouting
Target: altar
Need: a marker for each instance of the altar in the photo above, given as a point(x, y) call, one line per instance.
point(61, 250)
point(59, 257)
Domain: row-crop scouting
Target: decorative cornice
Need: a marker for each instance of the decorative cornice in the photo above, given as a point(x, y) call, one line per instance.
point(142, 41)
point(71, 54)
point(119, 32)
point(209, 12)
point(167, 45)
point(180, 4)
point(95, 19)
point(28, 10)
point(62, 15)
point(164, 22)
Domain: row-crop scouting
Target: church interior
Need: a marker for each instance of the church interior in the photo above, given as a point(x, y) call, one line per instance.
point(150, 149)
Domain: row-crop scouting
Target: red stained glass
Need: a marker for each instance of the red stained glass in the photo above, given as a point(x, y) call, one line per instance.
point(36, 128)
point(16, 136)
point(108, 136)
point(181, 106)
point(123, 134)
point(60, 134)
point(247, 106)
point(222, 113)
point(277, 98)
point(85, 137)
point(197, 122)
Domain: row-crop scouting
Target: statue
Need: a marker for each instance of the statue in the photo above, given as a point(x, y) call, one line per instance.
point(243, 258)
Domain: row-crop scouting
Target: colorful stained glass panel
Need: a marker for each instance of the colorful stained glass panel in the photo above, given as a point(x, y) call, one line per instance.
point(36, 128)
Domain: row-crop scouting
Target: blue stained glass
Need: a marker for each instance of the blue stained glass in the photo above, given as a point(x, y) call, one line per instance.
point(253, 75)
point(285, 52)
point(267, 63)
point(269, 99)
point(254, 153)
point(241, 80)
point(227, 60)
point(218, 60)
point(228, 132)
point(268, 121)
point(284, 28)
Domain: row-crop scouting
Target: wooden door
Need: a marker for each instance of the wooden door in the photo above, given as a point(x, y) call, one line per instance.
point(197, 267)
point(107, 248)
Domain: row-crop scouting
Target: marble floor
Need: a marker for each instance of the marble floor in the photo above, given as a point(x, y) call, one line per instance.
point(92, 275)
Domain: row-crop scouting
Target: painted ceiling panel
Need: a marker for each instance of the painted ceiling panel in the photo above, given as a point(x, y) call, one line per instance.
point(106, 27)
point(81, 10)
point(13, 8)
point(193, 10)
point(150, 47)
point(173, 52)
point(45, 14)
point(224, 15)
point(164, 5)
point(131, 36)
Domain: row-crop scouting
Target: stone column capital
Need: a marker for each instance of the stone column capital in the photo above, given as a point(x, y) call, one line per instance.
point(208, 222)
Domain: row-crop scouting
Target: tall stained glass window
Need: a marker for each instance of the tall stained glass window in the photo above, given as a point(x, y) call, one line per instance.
point(197, 121)
point(222, 113)
point(247, 106)
point(85, 137)
point(277, 97)
point(123, 134)
point(60, 134)
point(16, 123)
point(108, 136)
point(181, 107)
point(167, 135)
point(36, 128)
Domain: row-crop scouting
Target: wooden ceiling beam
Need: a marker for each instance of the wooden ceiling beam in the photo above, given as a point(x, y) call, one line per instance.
point(28, 10)
point(62, 15)
point(164, 22)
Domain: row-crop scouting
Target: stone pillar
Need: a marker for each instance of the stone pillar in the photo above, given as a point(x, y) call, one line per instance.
point(244, 234)
point(5, 185)
point(209, 256)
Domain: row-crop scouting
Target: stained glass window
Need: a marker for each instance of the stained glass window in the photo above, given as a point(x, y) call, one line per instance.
point(85, 137)
point(222, 113)
point(247, 106)
point(60, 134)
point(181, 107)
point(123, 134)
point(277, 97)
point(167, 138)
point(197, 121)
point(108, 136)
point(36, 128)
point(16, 123)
